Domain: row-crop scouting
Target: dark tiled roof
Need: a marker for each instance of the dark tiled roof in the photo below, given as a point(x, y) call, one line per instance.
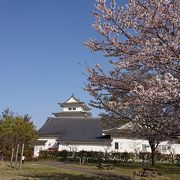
point(116, 132)
point(71, 103)
point(73, 129)
point(97, 142)
point(73, 98)
point(121, 132)
point(78, 102)
point(41, 142)
point(72, 114)
point(124, 133)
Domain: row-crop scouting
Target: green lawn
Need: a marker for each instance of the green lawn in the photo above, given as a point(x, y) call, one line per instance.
point(39, 172)
point(167, 171)
point(43, 171)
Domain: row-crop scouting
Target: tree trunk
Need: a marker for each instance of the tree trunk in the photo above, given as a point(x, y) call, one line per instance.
point(172, 157)
point(22, 151)
point(12, 156)
point(152, 153)
point(16, 158)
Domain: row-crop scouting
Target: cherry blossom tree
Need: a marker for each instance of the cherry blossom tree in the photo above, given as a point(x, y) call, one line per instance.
point(158, 114)
point(142, 40)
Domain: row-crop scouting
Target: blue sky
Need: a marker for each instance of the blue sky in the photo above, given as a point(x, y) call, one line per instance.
point(40, 54)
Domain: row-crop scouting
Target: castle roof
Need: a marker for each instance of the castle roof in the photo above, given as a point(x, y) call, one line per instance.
point(73, 129)
point(74, 101)
point(72, 114)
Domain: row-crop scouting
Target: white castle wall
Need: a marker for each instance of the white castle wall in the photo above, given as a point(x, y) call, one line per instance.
point(77, 108)
point(50, 143)
point(137, 145)
point(85, 147)
point(124, 145)
point(128, 145)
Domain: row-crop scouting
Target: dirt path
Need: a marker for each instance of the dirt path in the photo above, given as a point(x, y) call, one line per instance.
point(86, 169)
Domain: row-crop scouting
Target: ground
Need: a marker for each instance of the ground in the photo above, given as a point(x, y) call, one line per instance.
point(52, 170)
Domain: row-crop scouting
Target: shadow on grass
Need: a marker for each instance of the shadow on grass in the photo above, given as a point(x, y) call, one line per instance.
point(163, 169)
point(127, 165)
point(169, 169)
point(59, 176)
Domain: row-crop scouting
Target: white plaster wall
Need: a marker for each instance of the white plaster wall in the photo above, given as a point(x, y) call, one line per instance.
point(37, 149)
point(135, 145)
point(128, 145)
point(77, 108)
point(177, 148)
point(173, 148)
point(125, 145)
point(50, 143)
point(82, 147)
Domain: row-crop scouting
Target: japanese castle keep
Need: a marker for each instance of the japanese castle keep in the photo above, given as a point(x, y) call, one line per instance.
point(73, 129)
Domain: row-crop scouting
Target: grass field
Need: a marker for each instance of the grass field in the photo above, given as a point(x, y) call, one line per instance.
point(55, 171)
point(39, 172)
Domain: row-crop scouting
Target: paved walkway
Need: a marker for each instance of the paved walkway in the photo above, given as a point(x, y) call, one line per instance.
point(85, 169)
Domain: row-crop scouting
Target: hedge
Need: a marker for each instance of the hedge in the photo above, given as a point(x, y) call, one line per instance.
point(94, 156)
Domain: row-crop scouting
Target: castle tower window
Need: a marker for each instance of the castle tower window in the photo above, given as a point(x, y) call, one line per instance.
point(74, 108)
point(69, 108)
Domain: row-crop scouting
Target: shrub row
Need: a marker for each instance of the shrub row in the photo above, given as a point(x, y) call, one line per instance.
point(100, 156)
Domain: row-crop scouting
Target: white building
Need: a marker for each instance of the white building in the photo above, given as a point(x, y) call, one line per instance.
point(74, 129)
point(121, 143)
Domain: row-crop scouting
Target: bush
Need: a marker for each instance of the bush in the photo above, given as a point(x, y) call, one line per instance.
point(144, 156)
point(94, 156)
point(63, 155)
point(125, 156)
point(49, 154)
point(177, 159)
